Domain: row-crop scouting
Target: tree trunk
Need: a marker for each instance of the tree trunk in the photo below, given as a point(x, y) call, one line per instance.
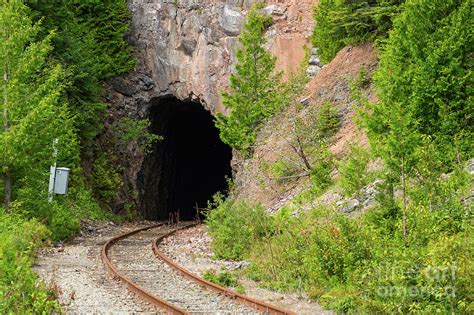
point(7, 184)
point(300, 151)
point(7, 187)
point(404, 202)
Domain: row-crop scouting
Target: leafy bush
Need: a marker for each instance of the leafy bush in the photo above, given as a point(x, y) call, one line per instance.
point(309, 154)
point(321, 171)
point(106, 178)
point(340, 23)
point(225, 279)
point(353, 170)
point(358, 265)
point(234, 226)
point(127, 130)
point(20, 290)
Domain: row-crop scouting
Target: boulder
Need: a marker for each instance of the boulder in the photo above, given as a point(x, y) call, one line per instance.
point(313, 70)
point(232, 20)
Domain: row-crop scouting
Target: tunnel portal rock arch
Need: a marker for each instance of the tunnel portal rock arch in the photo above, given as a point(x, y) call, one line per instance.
point(186, 168)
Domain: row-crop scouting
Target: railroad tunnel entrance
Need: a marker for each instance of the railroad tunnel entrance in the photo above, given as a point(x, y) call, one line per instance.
point(186, 168)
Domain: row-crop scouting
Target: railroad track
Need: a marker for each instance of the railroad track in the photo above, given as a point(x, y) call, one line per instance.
point(135, 259)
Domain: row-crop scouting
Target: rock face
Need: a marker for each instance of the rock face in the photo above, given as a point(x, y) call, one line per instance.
point(187, 48)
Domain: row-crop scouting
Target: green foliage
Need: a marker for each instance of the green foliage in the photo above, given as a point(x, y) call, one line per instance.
point(106, 178)
point(51, 70)
point(425, 107)
point(90, 44)
point(234, 226)
point(353, 170)
point(127, 130)
point(30, 123)
point(225, 279)
point(321, 171)
point(358, 265)
point(254, 87)
point(362, 264)
point(432, 96)
point(283, 170)
point(308, 142)
point(20, 291)
point(342, 22)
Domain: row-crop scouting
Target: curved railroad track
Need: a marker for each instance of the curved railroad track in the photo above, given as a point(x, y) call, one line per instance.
point(135, 259)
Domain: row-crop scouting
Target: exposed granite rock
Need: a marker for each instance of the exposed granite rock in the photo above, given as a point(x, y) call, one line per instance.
point(232, 20)
point(313, 70)
point(315, 64)
point(187, 49)
point(349, 206)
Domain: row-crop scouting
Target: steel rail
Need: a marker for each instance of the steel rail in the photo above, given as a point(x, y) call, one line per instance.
point(133, 287)
point(254, 303)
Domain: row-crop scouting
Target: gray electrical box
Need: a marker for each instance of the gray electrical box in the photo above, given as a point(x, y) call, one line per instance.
point(61, 180)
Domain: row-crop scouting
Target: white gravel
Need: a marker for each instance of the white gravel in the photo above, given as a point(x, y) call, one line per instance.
point(191, 249)
point(80, 280)
point(134, 258)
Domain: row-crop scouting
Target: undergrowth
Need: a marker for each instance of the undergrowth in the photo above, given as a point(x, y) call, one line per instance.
point(20, 290)
point(359, 264)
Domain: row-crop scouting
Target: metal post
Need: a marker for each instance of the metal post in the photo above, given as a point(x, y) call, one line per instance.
point(52, 175)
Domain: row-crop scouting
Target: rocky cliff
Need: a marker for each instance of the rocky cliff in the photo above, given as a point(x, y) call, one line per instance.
point(186, 49)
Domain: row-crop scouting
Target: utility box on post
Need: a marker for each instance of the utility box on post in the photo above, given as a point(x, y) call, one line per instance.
point(61, 180)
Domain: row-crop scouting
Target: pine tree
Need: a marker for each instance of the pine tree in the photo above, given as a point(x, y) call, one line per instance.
point(347, 22)
point(424, 91)
point(254, 86)
point(32, 114)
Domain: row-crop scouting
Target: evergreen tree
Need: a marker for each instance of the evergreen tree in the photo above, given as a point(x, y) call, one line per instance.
point(347, 22)
point(254, 87)
point(424, 87)
point(32, 114)
point(90, 43)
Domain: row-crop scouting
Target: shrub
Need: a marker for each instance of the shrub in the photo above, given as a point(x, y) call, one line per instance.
point(106, 178)
point(353, 170)
point(309, 154)
point(235, 226)
point(225, 279)
point(20, 290)
point(62, 222)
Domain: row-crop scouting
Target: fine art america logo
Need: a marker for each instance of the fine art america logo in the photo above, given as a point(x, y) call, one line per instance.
point(431, 281)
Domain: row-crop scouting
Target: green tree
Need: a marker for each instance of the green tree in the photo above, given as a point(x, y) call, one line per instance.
point(90, 43)
point(346, 22)
point(32, 113)
point(308, 141)
point(428, 67)
point(424, 85)
point(254, 87)
point(353, 170)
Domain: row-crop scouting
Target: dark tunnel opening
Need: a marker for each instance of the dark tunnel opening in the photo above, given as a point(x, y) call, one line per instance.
point(186, 168)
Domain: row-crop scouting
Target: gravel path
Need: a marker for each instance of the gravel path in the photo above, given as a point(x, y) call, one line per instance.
point(190, 248)
point(83, 286)
point(135, 259)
